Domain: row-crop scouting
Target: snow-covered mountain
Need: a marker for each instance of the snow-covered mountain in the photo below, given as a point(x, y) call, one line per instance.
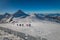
point(20, 14)
point(7, 15)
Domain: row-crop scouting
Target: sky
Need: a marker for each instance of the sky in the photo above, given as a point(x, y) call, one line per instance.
point(30, 6)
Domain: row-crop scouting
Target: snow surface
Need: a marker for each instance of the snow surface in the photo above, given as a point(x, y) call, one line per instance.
point(38, 28)
point(45, 29)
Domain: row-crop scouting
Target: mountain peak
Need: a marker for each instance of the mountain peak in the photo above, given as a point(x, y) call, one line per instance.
point(6, 14)
point(20, 13)
point(20, 10)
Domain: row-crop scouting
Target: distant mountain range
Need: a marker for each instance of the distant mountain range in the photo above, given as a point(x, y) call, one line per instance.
point(20, 14)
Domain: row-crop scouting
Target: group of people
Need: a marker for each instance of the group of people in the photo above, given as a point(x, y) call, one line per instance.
point(22, 25)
